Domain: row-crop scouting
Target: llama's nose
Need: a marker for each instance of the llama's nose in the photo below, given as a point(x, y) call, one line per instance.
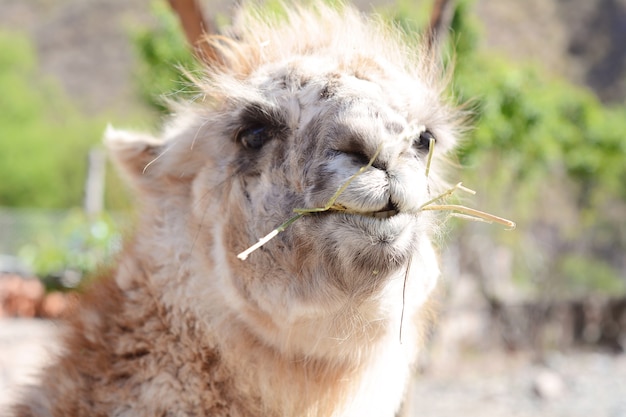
point(372, 141)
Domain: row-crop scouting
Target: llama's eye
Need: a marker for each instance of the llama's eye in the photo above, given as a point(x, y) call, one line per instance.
point(253, 138)
point(423, 141)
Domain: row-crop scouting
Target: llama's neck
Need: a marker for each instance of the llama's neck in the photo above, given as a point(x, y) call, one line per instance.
point(372, 386)
point(263, 381)
point(353, 360)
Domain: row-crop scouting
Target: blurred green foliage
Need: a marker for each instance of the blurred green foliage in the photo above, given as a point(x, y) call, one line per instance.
point(44, 143)
point(549, 155)
point(62, 255)
point(44, 140)
point(163, 59)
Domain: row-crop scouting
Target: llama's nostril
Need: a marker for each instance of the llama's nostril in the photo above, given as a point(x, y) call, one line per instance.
point(359, 158)
point(362, 159)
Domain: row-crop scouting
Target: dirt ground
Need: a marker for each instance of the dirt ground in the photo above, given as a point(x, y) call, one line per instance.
point(487, 384)
point(562, 384)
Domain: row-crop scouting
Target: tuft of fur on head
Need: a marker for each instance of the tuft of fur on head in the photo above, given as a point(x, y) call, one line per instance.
point(258, 38)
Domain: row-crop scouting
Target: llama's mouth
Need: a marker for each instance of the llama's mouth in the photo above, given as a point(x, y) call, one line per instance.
point(386, 212)
point(383, 214)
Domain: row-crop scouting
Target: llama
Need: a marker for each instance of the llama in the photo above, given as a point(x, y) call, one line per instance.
point(309, 324)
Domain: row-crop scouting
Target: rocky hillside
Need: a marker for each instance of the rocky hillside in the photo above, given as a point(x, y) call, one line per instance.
point(585, 40)
point(85, 43)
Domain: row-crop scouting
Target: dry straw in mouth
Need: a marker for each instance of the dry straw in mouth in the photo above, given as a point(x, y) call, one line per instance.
point(455, 210)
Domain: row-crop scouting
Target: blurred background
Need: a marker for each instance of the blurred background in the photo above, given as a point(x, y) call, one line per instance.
point(532, 321)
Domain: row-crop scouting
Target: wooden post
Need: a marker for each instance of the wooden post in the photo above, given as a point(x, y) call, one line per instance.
point(436, 21)
point(195, 27)
point(94, 186)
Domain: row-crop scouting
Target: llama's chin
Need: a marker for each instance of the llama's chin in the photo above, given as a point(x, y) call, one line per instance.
point(380, 230)
point(376, 243)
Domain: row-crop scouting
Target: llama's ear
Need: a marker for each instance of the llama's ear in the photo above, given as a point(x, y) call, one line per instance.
point(132, 151)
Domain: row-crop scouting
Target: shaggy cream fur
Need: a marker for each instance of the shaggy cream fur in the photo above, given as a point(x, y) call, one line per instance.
point(309, 324)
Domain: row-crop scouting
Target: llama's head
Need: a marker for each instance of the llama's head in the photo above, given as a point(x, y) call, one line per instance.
point(292, 112)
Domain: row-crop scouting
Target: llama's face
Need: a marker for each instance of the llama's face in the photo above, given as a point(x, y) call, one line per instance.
point(305, 135)
point(289, 136)
point(292, 135)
